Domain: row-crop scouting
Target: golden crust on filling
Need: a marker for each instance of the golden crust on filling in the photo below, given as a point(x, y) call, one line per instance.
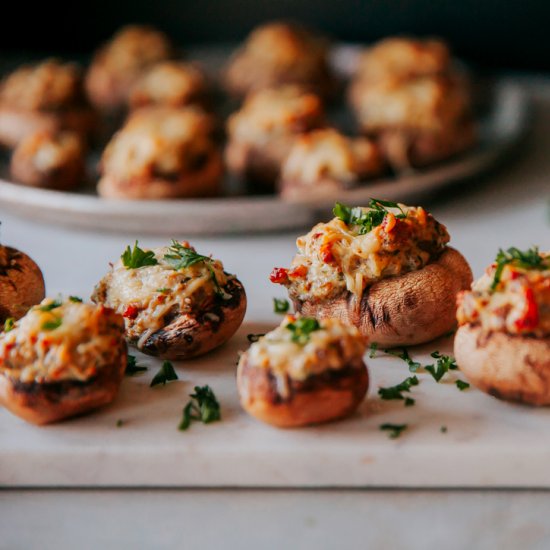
point(150, 297)
point(160, 142)
point(275, 112)
point(341, 256)
point(47, 86)
point(60, 341)
point(169, 83)
point(332, 346)
point(279, 53)
point(401, 58)
point(328, 154)
point(517, 303)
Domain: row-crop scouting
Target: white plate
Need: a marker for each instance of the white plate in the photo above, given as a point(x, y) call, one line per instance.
point(501, 129)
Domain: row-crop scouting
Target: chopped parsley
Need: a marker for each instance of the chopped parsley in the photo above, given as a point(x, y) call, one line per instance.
point(396, 392)
point(203, 406)
point(302, 328)
point(75, 299)
point(165, 374)
point(394, 430)
point(367, 220)
point(404, 355)
point(54, 304)
point(461, 385)
point(443, 429)
point(136, 258)
point(444, 364)
point(280, 305)
point(373, 349)
point(132, 366)
point(163, 290)
point(9, 323)
point(119, 423)
point(52, 324)
point(254, 337)
point(181, 257)
point(529, 259)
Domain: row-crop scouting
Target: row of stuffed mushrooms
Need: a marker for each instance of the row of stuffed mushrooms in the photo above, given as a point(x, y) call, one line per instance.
point(412, 107)
point(382, 274)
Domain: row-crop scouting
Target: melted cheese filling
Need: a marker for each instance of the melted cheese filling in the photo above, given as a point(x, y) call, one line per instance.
point(70, 342)
point(334, 257)
point(150, 296)
point(520, 303)
point(48, 152)
point(335, 346)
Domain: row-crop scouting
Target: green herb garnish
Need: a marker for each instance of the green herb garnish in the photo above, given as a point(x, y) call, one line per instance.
point(119, 423)
point(529, 259)
point(443, 429)
point(367, 220)
point(444, 364)
point(203, 406)
point(165, 374)
point(404, 355)
point(396, 392)
point(461, 385)
point(54, 323)
point(163, 290)
point(51, 305)
point(136, 258)
point(373, 349)
point(75, 299)
point(9, 323)
point(132, 367)
point(302, 328)
point(254, 337)
point(394, 430)
point(280, 305)
point(181, 257)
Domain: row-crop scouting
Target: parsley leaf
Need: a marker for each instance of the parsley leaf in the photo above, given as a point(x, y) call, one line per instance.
point(75, 299)
point(444, 364)
point(373, 349)
point(280, 305)
point(367, 220)
point(396, 392)
point(394, 430)
point(302, 328)
point(404, 355)
point(529, 259)
point(9, 323)
point(132, 367)
point(202, 406)
point(461, 385)
point(54, 323)
point(165, 374)
point(443, 429)
point(136, 258)
point(50, 305)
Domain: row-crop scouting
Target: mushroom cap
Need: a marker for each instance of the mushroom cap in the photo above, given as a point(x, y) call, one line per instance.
point(21, 283)
point(44, 403)
point(320, 398)
point(510, 367)
point(406, 310)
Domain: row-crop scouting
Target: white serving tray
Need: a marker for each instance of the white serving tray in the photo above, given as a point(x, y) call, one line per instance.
point(488, 443)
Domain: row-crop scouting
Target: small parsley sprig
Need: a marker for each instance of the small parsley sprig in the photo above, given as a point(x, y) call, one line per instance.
point(203, 406)
point(528, 259)
point(403, 354)
point(9, 323)
point(137, 257)
point(461, 385)
point(396, 392)
point(54, 304)
point(280, 305)
point(52, 324)
point(132, 366)
point(444, 364)
point(367, 220)
point(302, 328)
point(75, 299)
point(165, 374)
point(373, 349)
point(394, 430)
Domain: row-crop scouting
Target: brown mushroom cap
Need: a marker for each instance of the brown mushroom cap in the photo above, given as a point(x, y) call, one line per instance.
point(21, 283)
point(320, 398)
point(44, 403)
point(187, 336)
point(510, 367)
point(410, 309)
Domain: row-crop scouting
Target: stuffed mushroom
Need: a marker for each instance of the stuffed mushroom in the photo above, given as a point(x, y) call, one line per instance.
point(176, 303)
point(503, 341)
point(385, 269)
point(62, 359)
point(21, 283)
point(304, 372)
